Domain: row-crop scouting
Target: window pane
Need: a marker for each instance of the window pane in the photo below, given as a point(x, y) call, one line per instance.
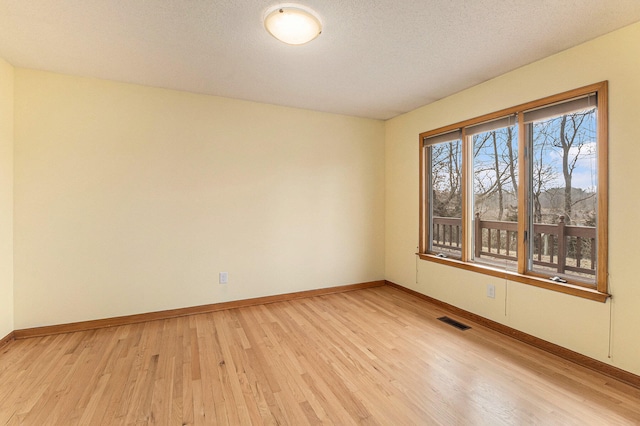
point(445, 198)
point(563, 195)
point(495, 197)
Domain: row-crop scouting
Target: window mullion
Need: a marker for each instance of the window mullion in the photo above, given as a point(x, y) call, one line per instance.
point(523, 196)
point(466, 193)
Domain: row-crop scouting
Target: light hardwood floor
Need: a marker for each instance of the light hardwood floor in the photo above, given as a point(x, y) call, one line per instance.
point(375, 356)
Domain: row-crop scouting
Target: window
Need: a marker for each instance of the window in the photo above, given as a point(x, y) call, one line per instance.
point(444, 155)
point(495, 192)
point(522, 193)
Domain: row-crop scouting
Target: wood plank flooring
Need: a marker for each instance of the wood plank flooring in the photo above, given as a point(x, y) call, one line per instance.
point(376, 356)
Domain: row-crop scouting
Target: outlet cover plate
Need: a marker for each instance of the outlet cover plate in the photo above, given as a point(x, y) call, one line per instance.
point(491, 291)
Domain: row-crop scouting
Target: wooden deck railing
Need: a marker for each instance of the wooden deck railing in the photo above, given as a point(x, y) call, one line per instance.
point(553, 245)
point(447, 233)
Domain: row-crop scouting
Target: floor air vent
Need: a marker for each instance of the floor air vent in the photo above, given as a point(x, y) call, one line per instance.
point(456, 324)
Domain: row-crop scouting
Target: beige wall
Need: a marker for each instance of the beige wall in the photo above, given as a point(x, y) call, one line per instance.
point(578, 324)
point(6, 198)
point(132, 199)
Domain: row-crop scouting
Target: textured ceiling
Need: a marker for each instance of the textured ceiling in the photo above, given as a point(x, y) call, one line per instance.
point(376, 58)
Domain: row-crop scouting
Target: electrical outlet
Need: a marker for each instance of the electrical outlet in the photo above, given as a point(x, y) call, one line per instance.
point(223, 278)
point(491, 291)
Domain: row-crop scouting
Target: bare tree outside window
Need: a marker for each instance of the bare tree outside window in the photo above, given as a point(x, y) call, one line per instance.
point(446, 197)
point(495, 196)
point(564, 194)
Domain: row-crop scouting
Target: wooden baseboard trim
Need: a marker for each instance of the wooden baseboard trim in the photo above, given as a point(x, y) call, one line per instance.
point(193, 310)
point(7, 339)
point(569, 355)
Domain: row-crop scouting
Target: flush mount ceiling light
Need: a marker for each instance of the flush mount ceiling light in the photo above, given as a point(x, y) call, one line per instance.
point(292, 23)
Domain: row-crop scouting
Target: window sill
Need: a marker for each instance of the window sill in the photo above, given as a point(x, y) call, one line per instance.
point(566, 288)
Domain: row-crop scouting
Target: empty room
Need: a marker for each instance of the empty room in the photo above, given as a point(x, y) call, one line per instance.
point(385, 213)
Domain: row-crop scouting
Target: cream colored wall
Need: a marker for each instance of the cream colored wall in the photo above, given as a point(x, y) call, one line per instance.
point(581, 325)
point(132, 199)
point(6, 198)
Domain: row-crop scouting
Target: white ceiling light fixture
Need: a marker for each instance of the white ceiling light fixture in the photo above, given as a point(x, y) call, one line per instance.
point(292, 23)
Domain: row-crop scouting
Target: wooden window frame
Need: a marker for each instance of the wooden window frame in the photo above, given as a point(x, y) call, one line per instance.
point(599, 292)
